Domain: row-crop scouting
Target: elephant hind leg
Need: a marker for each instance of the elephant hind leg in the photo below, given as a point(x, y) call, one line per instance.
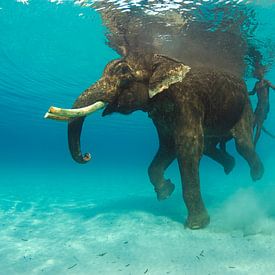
point(220, 156)
point(243, 135)
point(259, 127)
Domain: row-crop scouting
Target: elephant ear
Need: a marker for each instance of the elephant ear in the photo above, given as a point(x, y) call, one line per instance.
point(166, 71)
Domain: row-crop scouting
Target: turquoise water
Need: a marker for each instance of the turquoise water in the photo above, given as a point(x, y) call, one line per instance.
point(59, 217)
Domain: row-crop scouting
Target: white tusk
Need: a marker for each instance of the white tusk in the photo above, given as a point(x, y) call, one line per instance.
point(55, 117)
point(66, 114)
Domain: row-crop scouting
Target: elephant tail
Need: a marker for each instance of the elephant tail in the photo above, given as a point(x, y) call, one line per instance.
point(267, 132)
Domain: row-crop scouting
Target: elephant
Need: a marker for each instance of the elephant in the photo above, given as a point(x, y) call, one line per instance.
point(193, 110)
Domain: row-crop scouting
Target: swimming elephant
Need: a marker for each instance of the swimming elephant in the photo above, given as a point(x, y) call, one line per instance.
point(193, 109)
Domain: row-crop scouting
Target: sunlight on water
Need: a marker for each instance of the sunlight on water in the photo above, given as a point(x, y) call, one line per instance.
point(35, 52)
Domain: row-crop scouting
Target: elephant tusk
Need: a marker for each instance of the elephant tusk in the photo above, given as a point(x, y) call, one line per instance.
point(66, 114)
point(55, 117)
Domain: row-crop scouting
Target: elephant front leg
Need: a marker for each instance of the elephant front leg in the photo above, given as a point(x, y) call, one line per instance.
point(189, 150)
point(161, 161)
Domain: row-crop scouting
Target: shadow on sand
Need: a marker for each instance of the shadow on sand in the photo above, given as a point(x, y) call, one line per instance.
point(172, 208)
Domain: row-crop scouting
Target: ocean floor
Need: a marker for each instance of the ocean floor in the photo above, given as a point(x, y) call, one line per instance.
point(54, 221)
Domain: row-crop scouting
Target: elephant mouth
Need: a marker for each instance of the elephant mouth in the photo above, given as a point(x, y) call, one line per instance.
point(111, 108)
point(108, 110)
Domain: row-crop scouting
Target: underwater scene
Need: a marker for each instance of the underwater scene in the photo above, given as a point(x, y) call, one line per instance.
point(172, 171)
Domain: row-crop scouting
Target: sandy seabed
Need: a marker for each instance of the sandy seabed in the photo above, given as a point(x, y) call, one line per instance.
point(110, 224)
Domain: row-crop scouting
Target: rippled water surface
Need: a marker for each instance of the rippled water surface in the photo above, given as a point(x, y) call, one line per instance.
point(58, 217)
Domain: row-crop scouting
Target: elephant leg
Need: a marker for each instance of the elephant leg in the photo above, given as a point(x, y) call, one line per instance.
point(259, 127)
point(222, 145)
point(189, 149)
point(163, 158)
point(243, 135)
point(220, 156)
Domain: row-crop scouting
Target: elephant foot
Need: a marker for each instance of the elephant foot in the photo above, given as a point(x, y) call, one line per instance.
point(195, 222)
point(229, 166)
point(257, 171)
point(165, 190)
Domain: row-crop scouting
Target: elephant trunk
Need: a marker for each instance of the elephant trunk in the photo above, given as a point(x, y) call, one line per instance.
point(91, 96)
point(74, 133)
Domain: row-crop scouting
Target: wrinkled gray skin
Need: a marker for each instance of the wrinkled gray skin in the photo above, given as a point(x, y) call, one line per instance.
point(192, 113)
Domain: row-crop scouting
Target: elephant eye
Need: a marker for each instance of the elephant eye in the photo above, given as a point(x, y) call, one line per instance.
point(123, 69)
point(155, 66)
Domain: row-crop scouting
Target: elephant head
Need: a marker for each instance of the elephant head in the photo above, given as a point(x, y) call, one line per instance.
point(127, 84)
